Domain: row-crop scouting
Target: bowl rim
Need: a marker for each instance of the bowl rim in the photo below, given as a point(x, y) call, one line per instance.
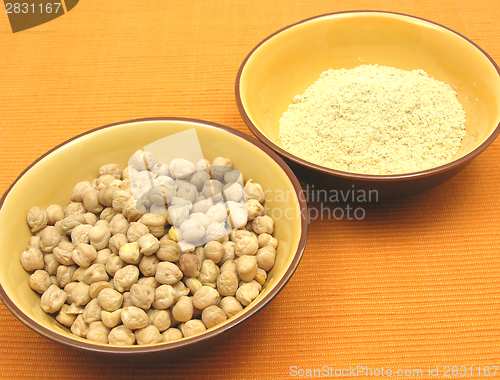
point(185, 342)
point(464, 160)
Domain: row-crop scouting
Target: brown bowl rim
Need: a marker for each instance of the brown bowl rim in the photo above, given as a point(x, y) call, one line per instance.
point(185, 342)
point(359, 176)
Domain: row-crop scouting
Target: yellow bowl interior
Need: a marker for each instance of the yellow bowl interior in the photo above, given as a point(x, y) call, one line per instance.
point(291, 60)
point(52, 178)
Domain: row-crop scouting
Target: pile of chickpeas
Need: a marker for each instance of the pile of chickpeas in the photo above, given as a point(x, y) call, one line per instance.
point(152, 253)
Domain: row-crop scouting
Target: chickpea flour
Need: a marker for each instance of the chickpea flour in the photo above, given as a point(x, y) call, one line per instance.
point(375, 120)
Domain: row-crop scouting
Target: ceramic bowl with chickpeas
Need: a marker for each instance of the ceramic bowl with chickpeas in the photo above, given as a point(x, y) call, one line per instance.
point(116, 250)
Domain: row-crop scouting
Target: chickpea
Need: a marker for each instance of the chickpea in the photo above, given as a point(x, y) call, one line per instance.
point(228, 252)
point(39, 281)
point(246, 246)
point(263, 224)
point(237, 217)
point(179, 213)
point(212, 189)
point(99, 236)
point(189, 265)
point(102, 256)
point(83, 255)
point(78, 274)
point(215, 231)
point(148, 264)
point(193, 284)
point(53, 280)
point(246, 266)
point(200, 253)
point(32, 259)
point(109, 299)
point(118, 225)
point(73, 309)
point(236, 235)
point(113, 264)
point(174, 234)
point(95, 273)
point(233, 176)
point(79, 327)
point(266, 257)
point(111, 318)
point(209, 273)
point(193, 327)
point(64, 274)
point(160, 169)
point(64, 318)
point(205, 296)
point(130, 253)
point(233, 191)
point(116, 242)
point(120, 199)
point(261, 275)
point(165, 296)
point(220, 166)
point(254, 191)
point(149, 281)
point(121, 336)
point(227, 283)
point(229, 265)
point(192, 230)
point(155, 224)
point(160, 319)
point(246, 294)
point(75, 208)
point(101, 182)
point(69, 291)
point(78, 190)
point(162, 194)
point(148, 244)
point(253, 283)
point(37, 218)
point(124, 278)
point(55, 213)
point(53, 299)
point(98, 332)
point(35, 242)
point(183, 309)
point(92, 312)
point(134, 317)
point(70, 222)
point(135, 231)
point(217, 213)
point(181, 168)
point(201, 205)
point(90, 200)
point(80, 234)
point(172, 334)
point(231, 306)
point(266, 239)
point(90, 219)
point(142, 296)
point(111, 169)
point(213, 316)
point(186, 247)
point(126, 299)
point(168, 273)
point(132, 211)
point(214, 251)
point(80, 294)
point(148, 335)
point(199, 178)
point(96, 287)
point(180, 289)
point(254, 209)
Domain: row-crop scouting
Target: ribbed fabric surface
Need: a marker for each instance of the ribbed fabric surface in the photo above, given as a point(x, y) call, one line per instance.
point(413, 286)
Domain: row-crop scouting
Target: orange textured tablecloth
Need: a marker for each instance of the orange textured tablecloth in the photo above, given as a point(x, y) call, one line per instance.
point(414, 285)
